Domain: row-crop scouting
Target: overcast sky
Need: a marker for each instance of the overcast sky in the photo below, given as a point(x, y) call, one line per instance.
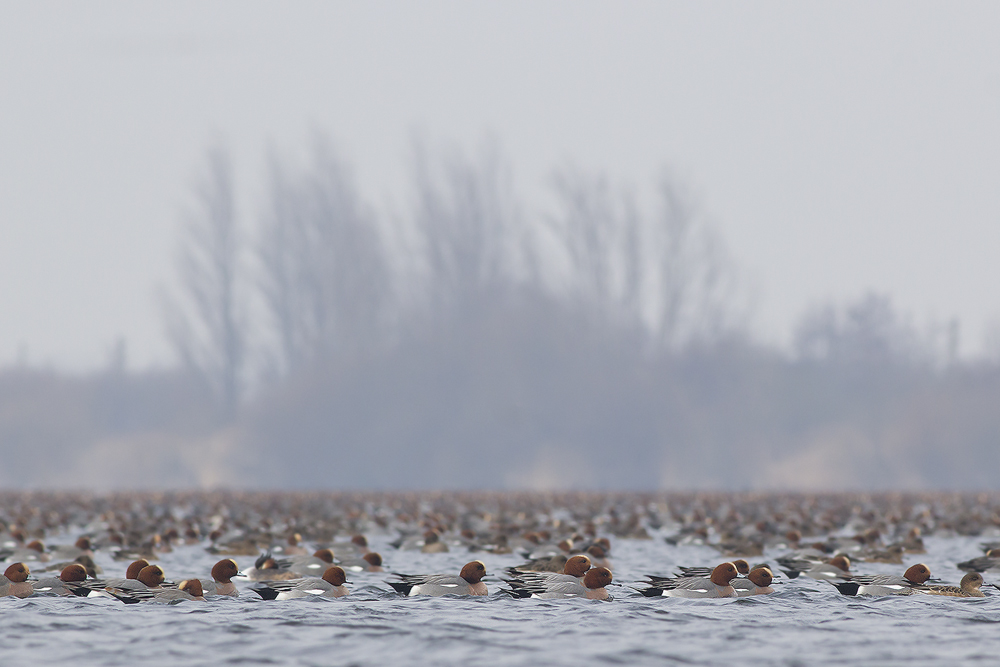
point(839, 147)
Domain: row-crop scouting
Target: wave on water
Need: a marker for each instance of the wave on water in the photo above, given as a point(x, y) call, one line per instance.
point(805, 622)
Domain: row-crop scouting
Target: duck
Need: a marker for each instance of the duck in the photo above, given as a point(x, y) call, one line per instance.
point(988, 563)
point(757, 582)
point(67, 583)
point(268, 568)
point(715, 586)
point(564, 547)
point(838, 567)
point(574, 571)
point(598, 556)
point(221, 582)
point(892, 554)
point(545, 564)
point(187, 590)
point(82, 547)
point(330, 585)
point(32, 551)
point(14, 581)
point(149, 577)
point(357, 546)
point(468, 582)
point(591, 588)
point(801, 560)
point(370, 562)
point(433, 543)
point(742, 567)
point(292, 547)
point(969, 587)
point(100, 587)
point(93, 569)
point(885, 584)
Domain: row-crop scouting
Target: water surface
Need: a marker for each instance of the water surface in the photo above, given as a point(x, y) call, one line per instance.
point(805, 623)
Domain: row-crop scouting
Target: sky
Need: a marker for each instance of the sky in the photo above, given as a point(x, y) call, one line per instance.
point(838, 147)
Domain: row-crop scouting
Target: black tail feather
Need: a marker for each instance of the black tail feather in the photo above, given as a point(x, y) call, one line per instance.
point(401, 587)
point(847, 587)
point(265, 592)
point(650, 592)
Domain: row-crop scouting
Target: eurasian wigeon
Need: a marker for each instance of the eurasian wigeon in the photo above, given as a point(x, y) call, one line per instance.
point(268, 568)
point(892, 554)
point(433, 543)
point(598, 556)
point(967, 588)
point(10, 539)
point(790, 540)
point(330, 585)
point(231, 544)
point(688, 535)
point(149, 577)
point(221, 582)
point(293, 546)
point(885, 584)
point(357, 546)
point(801, 560)
point(838, 567)
point(14, 581)
point(131, 578)
point(757, 582)
point(499, 545)
point(575, 569)
point(913, 543)
point(605, 544)
point(564, 547)
point(93, 569)
point(70, 579)
point(716, 586)
point(370, 562)
point(988, 563)
point(99, 587)
point(548, 564)
point(189, 589)
point(81, 547)
point(592, 587)
point(741, 547)
point(468, 582)
point(742, 567)
point(30, 552)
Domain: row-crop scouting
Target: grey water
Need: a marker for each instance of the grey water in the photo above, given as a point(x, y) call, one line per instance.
point(804, 622)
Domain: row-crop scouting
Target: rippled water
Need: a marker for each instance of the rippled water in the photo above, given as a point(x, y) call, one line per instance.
point(806, 622)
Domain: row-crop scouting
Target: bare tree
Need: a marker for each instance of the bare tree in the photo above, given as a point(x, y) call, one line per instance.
point(696, 281)
point(325, 277)
point(470, 224)
point(869, 330)
point(599, 232)
point(669, 273)
point(207, 323)
point(279, 277)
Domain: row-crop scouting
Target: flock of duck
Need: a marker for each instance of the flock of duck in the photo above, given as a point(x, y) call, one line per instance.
point(295, 543)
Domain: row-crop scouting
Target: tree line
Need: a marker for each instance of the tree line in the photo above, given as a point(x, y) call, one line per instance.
point(320, 272)
point(597, 338)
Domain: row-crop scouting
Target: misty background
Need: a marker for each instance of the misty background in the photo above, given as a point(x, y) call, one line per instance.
point(659, 247)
